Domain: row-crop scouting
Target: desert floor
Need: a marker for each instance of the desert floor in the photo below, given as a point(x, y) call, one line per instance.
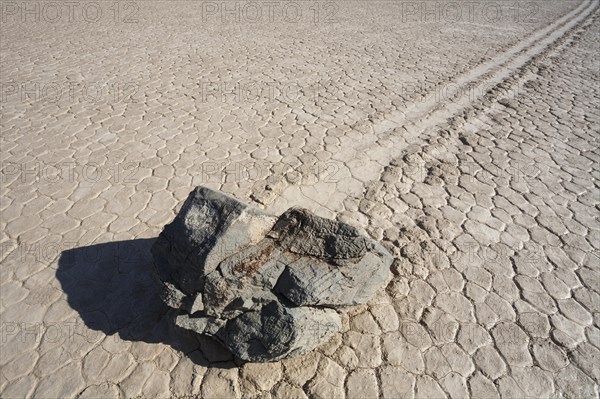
point(462, 135)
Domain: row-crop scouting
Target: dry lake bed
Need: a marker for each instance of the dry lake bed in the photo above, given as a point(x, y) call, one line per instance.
point(461, 135)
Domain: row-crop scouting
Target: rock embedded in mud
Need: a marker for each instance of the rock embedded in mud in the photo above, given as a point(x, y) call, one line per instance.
point(266, 287)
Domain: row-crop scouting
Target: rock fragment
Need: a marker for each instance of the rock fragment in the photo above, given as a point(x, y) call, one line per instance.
point(267, 287)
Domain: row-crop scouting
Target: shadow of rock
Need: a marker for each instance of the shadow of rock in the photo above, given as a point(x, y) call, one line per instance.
point(112, 288)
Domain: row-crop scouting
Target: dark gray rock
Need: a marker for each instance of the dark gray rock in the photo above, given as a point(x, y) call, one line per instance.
point(276, 331)
point(266, 287)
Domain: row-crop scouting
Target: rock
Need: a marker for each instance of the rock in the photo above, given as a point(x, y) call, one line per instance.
point(349, 267)
point(275, 331)
point(209, 228)
point(266, 287)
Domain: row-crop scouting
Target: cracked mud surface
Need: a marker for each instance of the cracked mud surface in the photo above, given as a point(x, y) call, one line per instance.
point(492, 215)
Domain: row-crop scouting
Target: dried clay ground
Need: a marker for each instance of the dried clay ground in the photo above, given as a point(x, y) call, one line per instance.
point(467, 145)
